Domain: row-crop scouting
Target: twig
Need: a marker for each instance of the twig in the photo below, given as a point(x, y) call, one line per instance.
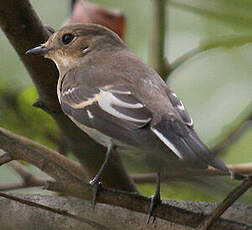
point(54, 164)
point(59, 140)
point(239, 128)
point(54, 210)
point(225, 204)
point(245, 168)
point(18, 185)
point(217, 12)
point(5, 158)
point(135, 202)
point(28, 179)
point(185, 57)
point(223, 41)
point(157, 56)
point(233, 136)
point(71, 5)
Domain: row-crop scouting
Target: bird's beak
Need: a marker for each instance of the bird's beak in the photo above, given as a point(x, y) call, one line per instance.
point(40, 50)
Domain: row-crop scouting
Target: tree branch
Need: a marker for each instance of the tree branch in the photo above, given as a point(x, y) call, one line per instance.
point(157, 50)
point(225, 204)
point(71, 5)
point(245, 168)
point(141, 204)
point(28, 179)
point(54, 210)
point(52, 163)
point(20, 148)
point(69, 181)
point(5, 158)
point(237, 130)
point(221, 41)
point(103, 214)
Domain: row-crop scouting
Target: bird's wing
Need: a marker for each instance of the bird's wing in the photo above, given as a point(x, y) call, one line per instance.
point(112, 110)
point(116, 112)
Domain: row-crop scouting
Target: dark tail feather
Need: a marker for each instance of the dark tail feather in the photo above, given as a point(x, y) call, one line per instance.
point(187, 144)
point(203, 152)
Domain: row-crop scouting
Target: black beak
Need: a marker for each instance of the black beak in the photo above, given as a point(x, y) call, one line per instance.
point(40, 50)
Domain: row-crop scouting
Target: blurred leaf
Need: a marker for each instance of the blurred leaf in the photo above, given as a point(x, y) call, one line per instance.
point(39, 122)
point(18, 115)
point(176, 192)
point(86, 12)
point(230, 11)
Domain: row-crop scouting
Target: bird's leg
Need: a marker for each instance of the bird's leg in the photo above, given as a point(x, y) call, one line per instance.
point(95, 181)
point(155, 200)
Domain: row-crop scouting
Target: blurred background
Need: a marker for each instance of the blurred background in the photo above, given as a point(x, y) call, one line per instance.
point(215, 84)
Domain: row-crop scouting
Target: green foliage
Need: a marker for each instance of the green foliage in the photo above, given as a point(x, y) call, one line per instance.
point(176, 192)
point(20, 116)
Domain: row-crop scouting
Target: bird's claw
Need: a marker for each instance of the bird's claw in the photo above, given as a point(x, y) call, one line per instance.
point(155, 201)
point(96, 188)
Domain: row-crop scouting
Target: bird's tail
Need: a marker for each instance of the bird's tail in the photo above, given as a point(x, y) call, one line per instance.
point(185, 143)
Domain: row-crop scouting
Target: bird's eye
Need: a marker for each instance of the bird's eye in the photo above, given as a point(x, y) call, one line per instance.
point(67, 38)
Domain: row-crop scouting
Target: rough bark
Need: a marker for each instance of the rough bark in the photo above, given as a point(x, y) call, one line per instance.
point(24, 217)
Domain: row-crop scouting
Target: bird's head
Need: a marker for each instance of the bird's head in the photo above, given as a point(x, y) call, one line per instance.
point(67, 46)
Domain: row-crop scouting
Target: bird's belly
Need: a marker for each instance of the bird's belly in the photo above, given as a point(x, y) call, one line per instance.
point(97, 135)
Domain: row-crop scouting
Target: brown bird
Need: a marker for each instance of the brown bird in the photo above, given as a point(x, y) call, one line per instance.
point(118, 100)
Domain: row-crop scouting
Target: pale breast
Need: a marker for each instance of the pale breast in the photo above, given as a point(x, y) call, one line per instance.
point(94, 134)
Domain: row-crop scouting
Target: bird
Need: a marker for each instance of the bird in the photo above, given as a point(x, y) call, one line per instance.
point(118, 100)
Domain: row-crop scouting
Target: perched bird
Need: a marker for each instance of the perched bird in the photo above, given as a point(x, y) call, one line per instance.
point(118, 100)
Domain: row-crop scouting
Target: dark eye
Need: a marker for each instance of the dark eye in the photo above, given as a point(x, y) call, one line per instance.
point(67, 38)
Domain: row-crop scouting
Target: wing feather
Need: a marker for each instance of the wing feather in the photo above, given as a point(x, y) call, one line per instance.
point(116, 105)
point(179, 106)
point(116, 112)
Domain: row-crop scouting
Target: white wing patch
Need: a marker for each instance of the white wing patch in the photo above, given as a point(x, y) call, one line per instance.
point(70, 90)
point(180, 105)
point(166, 142)
point(106, 100)
point(190, 123)
point(83, 104)
point(177, 103)
point(64, 93)
point(120, 92)
point(90, 115)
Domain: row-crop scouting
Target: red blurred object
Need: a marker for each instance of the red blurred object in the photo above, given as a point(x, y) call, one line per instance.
point(91, 13)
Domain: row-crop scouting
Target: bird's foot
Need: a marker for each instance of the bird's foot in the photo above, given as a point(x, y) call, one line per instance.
point(96, 188)
point(95, 183)
point(155, 201)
